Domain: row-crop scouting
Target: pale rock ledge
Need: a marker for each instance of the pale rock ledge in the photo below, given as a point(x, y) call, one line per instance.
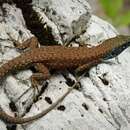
point(102, 103)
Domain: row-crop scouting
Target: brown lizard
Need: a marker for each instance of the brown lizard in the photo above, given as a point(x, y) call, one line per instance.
point(59, 58)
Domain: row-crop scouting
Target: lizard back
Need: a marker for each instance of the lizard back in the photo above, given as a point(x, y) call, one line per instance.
point(59, 57)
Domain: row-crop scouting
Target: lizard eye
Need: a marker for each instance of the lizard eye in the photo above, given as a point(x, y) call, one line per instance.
point(113, 54)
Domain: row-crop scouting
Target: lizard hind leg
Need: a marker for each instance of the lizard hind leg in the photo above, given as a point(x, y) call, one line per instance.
point(29, 43)
point(42, 74)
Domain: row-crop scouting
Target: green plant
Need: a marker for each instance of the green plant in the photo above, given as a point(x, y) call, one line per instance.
point(115, 10)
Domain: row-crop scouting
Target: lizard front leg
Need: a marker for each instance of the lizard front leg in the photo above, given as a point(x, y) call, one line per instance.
point(41, 75)
point(43, 72)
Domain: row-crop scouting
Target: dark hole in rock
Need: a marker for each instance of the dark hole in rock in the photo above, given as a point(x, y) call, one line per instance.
point(23, 103)
point(45, 85)
point(61, 108)
point(70, 82)
point(82, 115)
point(11, 127)
point(54, 12)
point(100, 110)
point(104, 99)
point(48, 100)
point(86, 74)
point(105, 82)
point(40, 98)
point(86, 107)
point(60, 82)
point(12, 106)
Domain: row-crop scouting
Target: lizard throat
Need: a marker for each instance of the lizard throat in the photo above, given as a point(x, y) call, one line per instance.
point(116, 51)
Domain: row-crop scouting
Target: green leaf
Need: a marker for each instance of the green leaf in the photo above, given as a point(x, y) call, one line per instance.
point(123, 19)
point(112, 7)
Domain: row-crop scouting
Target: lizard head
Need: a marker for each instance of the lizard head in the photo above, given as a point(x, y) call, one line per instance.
point(116, 45)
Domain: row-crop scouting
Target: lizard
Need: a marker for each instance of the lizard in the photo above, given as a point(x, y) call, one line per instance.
point(60, 58)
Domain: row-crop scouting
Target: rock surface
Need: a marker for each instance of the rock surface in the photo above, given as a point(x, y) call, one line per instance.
point(103, 100)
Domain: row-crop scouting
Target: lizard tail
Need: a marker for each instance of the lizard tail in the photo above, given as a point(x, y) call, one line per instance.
point(16, 120)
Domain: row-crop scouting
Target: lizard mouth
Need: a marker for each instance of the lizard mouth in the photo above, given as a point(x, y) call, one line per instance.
point(116, 51)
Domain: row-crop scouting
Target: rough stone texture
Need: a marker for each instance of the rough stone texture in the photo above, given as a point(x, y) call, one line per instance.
point(70, 17)
point(103, 101)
